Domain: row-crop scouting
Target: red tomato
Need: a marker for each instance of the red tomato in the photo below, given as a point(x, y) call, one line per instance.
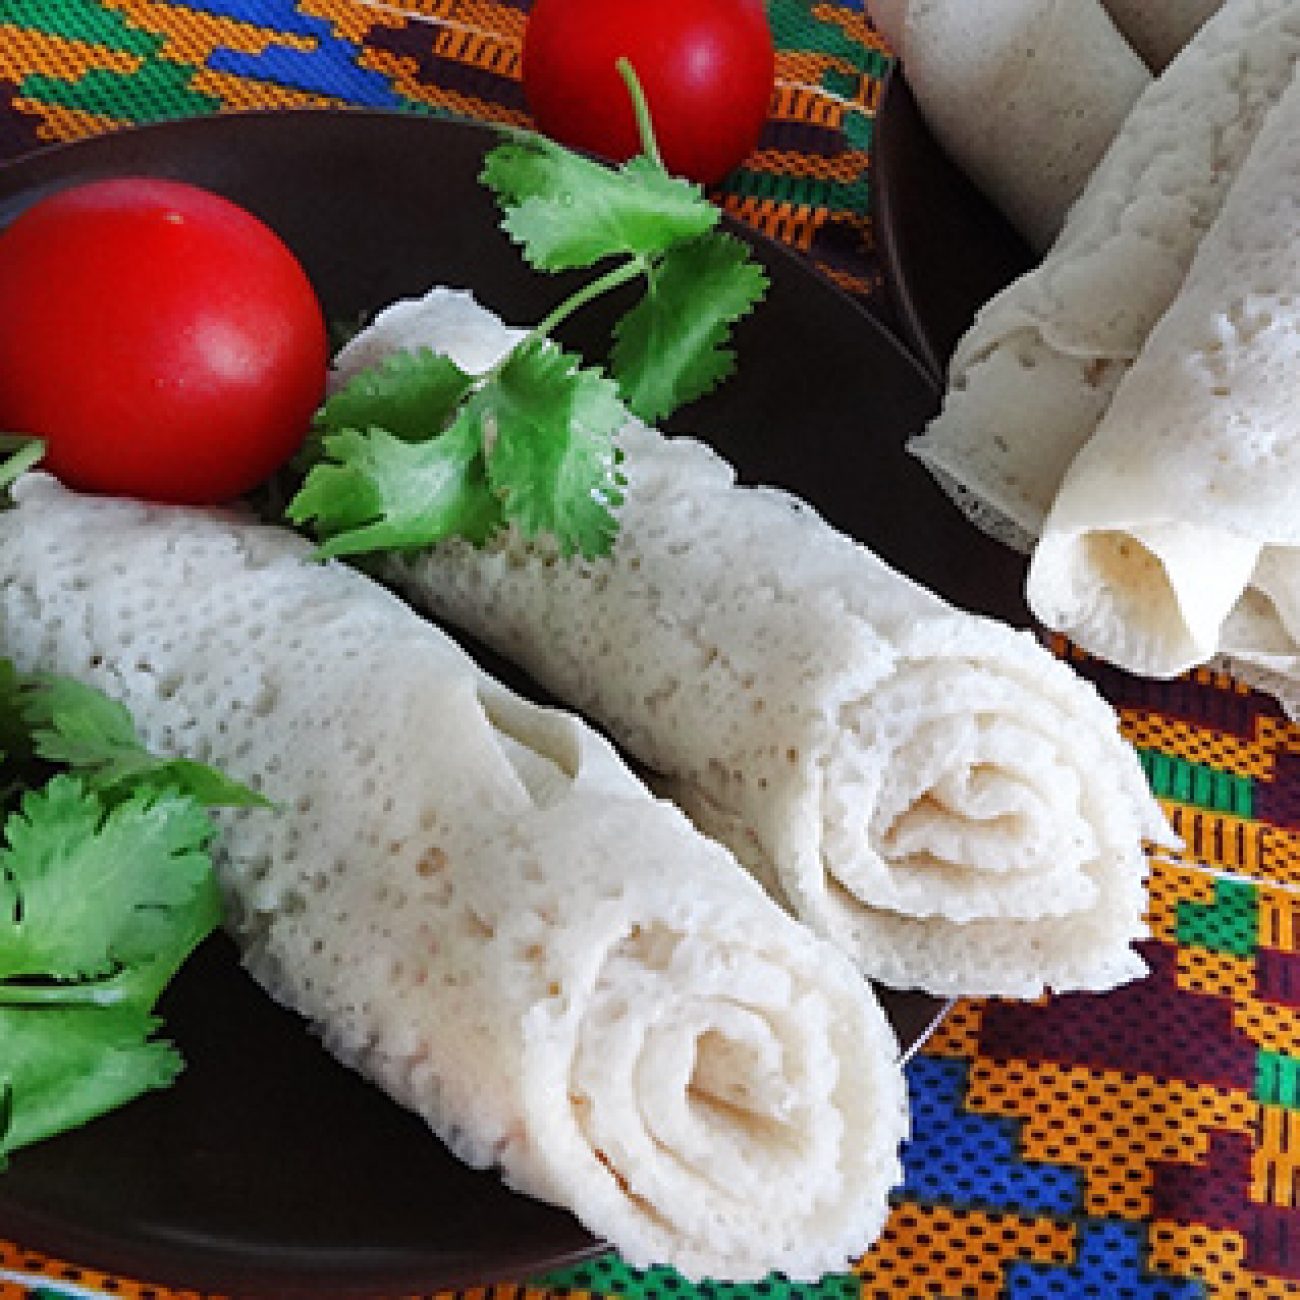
point(706, 67)
point(163, 340)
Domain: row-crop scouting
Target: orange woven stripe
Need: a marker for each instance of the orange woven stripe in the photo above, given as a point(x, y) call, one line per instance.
point(1214, 1256)
point(1166, 1122)
point(935, 1250)
point(194, 40)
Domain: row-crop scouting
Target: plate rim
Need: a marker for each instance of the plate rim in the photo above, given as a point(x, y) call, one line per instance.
point(52, 166)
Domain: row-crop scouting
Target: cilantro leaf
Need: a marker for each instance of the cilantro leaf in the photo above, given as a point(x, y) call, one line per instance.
point(64, 1066)
point(89, 890)
point(408, 394)
point(81, 728)
point(672, 347)
point(106, 888)
point(379, 492)
point(566, 211)
point(552, 460)
point(415, 451)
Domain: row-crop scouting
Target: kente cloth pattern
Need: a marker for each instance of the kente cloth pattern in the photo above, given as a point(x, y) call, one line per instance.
point(1138, 1145)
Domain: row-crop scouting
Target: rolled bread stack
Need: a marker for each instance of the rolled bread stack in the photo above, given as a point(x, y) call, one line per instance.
point(1034, 374)
point(1025, 95)
point(473, 900)
point(930, 790)
point(1175, 536)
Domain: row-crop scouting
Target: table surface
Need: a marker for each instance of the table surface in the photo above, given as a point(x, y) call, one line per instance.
point(1140, 1144)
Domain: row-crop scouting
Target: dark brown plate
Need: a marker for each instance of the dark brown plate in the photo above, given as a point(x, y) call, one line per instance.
point(946, 249)
point(268, 1170)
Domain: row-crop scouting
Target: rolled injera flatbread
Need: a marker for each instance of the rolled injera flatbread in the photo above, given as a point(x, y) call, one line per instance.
point(930, 790)
point(1032, 377)
point(1175, 537)
point(1024, 95)
point(1158, 29)
point(474, 901)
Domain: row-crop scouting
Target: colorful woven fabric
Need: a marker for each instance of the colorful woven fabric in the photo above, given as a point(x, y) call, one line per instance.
point(1138, 1145)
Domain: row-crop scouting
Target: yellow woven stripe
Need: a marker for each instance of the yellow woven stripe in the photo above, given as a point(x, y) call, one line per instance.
point(1275, 1162)
point(1218, 839)
point(193, 37)
point(1168, 884)
point(238, 94)
point(1280, 855)
point(795, 103)
point(853, 25)
point(405, 81)
point(1273, 1027)
point(792, 223)
point(504, 21)
point(849, 282)
point(350, 20)
point(1215, 1256)
point(57, 123)
point(1199, 745)
point(808, 68)
point(958, 1033)
point(1140, 1124)
point(22, 50)
point(26, 1261)
point(846, 167)
point(1279, 920)
point(479, 49)
point(1216, 974)
point(935, 1250)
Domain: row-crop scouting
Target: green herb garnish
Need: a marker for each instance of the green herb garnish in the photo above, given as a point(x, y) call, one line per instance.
point(416, 450)
point(106, 887)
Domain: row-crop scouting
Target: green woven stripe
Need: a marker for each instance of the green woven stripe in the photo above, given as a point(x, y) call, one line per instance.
point(792, 31)
point(1277, 1080)
point(610, 1276)
point(1229, 924)
point(1198, 784)
point(78, 21)
point(157, 90)
point(801, 191)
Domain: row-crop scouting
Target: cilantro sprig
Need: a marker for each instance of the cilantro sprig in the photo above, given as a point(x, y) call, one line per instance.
point(106, 887)
point(416, 450)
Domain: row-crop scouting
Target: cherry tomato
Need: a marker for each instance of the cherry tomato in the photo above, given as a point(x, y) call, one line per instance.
point(706, 67)
point(164, 341)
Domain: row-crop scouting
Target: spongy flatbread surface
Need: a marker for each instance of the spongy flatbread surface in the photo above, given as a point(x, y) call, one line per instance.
point(474, 901)
point(1189, 487)
point(866, 750)
point(1034, 374)
point(1025, 95)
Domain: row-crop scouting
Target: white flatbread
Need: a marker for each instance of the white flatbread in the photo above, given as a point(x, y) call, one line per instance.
point(474, 902)
point(1176, 534)
point(1032, 377)
point(1024, 95)
point(931, 790)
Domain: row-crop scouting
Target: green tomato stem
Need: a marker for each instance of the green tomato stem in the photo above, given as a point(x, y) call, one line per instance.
point(644, 126)
point(19, 455)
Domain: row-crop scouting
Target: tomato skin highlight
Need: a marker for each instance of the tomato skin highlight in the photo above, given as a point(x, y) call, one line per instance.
point(706, 67)
point(163, 341)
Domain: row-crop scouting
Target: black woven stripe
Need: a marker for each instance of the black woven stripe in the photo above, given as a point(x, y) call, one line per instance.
point(449, 74)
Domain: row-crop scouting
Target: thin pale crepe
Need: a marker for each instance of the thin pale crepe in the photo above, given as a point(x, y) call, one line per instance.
point(1032, 377)
point(930, 790)
point(475, 902)
point(1158, 29)
point(1025, 95)
point(1176, 534)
